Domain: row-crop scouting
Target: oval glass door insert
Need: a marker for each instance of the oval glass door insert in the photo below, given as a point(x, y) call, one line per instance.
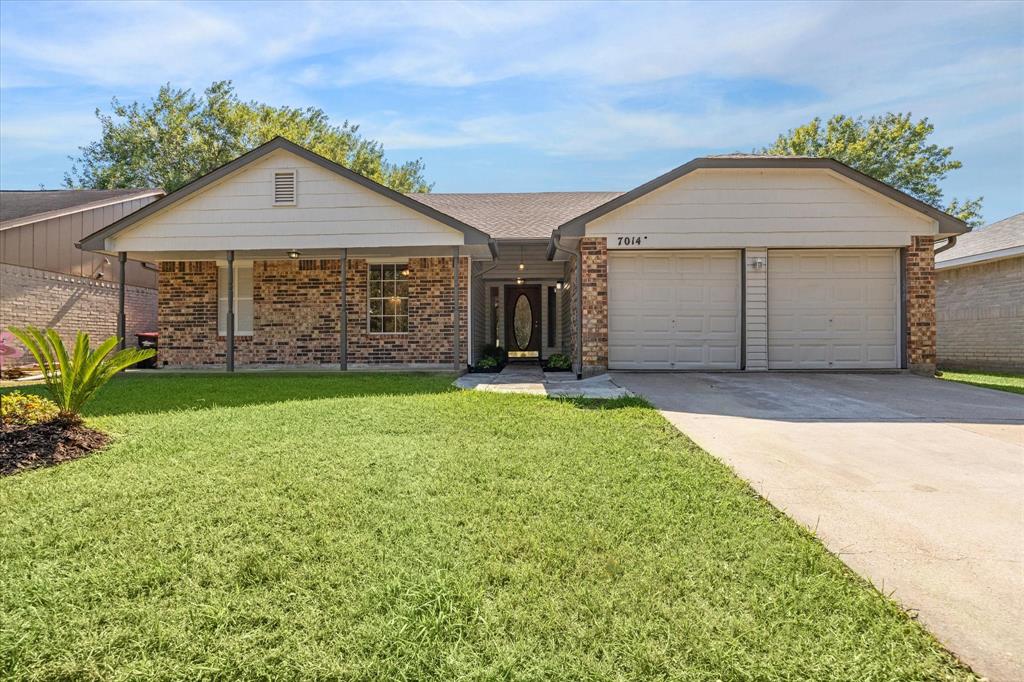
point(522, 322)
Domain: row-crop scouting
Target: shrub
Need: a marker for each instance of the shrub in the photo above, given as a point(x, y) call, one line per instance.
point(486, 362)
point(497, 352)
point(19, 409)
point(73, 378)
point(559, 361)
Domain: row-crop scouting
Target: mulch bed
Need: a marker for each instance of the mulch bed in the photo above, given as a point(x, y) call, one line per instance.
point(43, 445)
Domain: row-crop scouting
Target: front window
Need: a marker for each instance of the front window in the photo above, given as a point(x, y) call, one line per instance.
point(389, 298)
point(243, 300)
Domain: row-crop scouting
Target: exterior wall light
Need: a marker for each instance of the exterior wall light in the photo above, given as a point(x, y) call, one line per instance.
point(758, 264)
point(558, 285)
point(293, 254)
point(519, 280)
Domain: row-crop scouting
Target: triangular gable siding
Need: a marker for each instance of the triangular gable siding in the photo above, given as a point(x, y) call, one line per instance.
point(237, 213)
point(736, 208)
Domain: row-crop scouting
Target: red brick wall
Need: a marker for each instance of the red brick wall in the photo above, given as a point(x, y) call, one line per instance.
point(594, 252)
point(296, 315)
point(920, 283)
point(429, 339)
point(187, 314)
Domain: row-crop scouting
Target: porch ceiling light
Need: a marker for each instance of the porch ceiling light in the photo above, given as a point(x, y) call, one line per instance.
point(293, 254)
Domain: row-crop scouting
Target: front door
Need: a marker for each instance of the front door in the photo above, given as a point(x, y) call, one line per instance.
point(522, 321)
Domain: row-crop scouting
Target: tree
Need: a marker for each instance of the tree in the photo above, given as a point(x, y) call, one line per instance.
point(891, 148)
point(178, 136)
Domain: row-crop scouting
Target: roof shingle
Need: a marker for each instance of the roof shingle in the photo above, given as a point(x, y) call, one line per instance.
point(1005, 234)
point(16, 203)
point(526, 215)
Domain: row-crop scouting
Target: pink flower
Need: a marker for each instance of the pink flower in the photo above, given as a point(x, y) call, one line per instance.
point(8, 346)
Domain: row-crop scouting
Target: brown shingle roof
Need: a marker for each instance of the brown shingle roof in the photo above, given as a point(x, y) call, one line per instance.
point(16, 203)
point(527, 215)
point(1005, 234)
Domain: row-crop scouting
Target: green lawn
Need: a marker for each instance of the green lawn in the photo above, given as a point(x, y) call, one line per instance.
point(1014, 383)
point(372, 527)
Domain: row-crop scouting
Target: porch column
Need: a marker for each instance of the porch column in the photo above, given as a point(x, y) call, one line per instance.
point(456, 342)
point(122, 259)
point(230, 323)
point(343, 313)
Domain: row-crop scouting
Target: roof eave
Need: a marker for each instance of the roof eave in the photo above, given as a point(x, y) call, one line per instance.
point(88, 206)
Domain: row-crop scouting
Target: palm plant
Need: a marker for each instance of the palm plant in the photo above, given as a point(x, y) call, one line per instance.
point(73, 378)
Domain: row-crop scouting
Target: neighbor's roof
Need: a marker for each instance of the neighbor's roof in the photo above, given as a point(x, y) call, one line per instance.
point(20, 207)
point(527, 215)
point(998, 240)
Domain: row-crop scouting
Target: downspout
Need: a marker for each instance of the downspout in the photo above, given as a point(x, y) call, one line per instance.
point(557, 244)
point(950, 243)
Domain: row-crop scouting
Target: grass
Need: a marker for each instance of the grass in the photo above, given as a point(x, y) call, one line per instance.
point(371, 527)
point(1014, 383)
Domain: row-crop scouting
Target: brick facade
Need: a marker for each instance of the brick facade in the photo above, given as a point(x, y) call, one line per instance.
point(594, 254)
point(920, 305)
point(297, 312)
point(980, 316)
point(69, 304)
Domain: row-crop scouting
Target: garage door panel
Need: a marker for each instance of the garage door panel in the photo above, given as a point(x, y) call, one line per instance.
point(693, 299)
point(833, 309)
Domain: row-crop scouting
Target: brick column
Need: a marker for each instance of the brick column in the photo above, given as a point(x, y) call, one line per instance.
point(920, 305)
point(594, 252)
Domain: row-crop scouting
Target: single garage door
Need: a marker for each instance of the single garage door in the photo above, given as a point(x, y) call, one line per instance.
point(674, 310)
point(833, 309)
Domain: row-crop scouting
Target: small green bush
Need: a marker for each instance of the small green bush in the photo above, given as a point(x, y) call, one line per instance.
point(18, 409)
point(496, 352)
point(559, 361)
point(486, 362)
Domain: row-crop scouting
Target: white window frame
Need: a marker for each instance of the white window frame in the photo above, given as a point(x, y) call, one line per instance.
point(243, 324)
point(369, 316)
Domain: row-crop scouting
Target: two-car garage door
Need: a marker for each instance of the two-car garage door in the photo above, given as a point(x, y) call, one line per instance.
point(827, 309)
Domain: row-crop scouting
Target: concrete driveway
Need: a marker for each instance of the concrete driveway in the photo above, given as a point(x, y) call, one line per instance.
point(917, 484)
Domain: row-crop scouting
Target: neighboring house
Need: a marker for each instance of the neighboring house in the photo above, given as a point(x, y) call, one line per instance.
point(734, 263)
point(46, 281)
point(980, 299)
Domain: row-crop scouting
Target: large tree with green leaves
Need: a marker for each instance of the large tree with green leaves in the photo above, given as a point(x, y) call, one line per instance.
point(178, 136)
point(891, 148)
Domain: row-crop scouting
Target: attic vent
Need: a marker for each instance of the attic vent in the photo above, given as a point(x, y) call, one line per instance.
point(284, 188)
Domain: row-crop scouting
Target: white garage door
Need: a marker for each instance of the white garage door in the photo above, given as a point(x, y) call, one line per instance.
point(833, 309)
point(674, 310)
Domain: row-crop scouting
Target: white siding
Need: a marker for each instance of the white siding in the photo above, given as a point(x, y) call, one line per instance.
point(238, 213)
point(757, 311)
point(737, 208)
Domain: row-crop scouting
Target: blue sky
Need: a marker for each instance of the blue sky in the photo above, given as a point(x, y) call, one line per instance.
point(535, 96)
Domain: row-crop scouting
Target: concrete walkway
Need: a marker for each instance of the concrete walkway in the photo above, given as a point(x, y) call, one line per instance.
point(530, 379)
point(917, 484)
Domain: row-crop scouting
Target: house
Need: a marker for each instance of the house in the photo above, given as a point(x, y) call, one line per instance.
point(284, 258)
point(46, 282)
point(980, 299)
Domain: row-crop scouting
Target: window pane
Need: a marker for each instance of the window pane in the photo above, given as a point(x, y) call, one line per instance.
point(389, 324)
point(403, 308)
point(243, 316)
point(389, 288)
point(402, 288)
point(402, 324)
point(376, 289)
point(392, 306)
point(376, 306)
point(403, 271)
point(376, 324)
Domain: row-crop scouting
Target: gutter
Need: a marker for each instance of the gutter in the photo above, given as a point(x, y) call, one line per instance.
point(553, 246)
point(950, 243)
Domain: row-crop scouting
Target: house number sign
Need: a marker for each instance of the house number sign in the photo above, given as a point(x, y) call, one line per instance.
point(632, 240)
